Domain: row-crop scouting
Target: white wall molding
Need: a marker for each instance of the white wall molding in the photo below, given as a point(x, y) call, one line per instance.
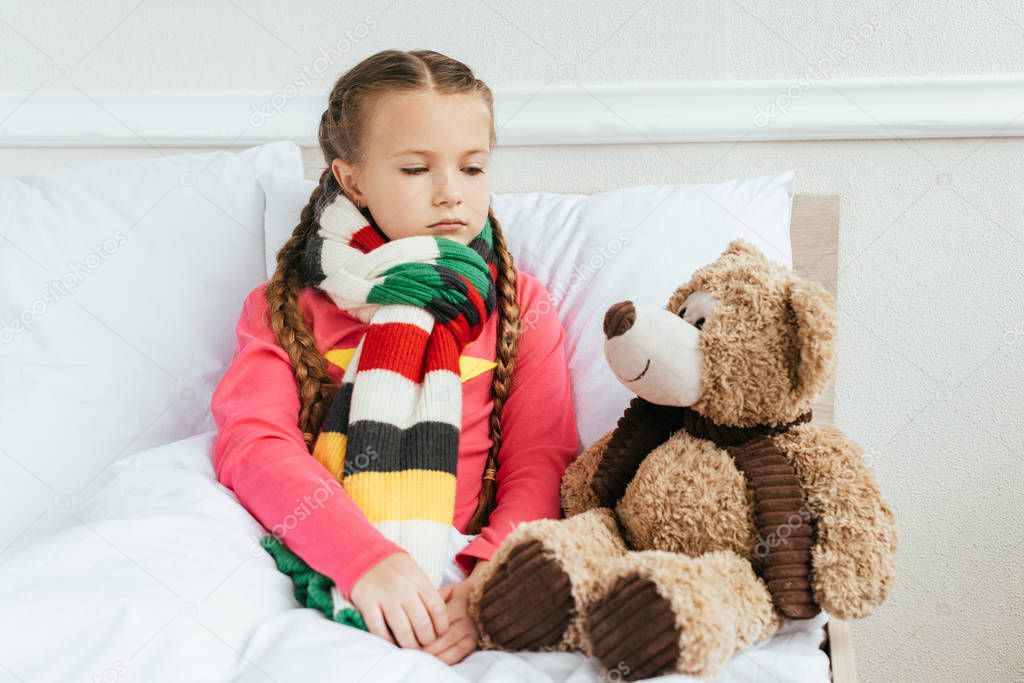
point(556, 114)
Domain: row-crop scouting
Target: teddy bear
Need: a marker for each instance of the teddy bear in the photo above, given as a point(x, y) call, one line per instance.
point(714, 509)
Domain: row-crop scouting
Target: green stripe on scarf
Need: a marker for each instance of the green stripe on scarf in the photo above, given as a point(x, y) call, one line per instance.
point(312, 588)
point(407, 283)
point(466, 262)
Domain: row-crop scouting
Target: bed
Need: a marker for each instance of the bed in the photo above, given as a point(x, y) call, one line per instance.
point(158, 575)
point(814, 231)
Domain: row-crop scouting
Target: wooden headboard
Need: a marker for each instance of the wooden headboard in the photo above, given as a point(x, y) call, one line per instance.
point(814, 233)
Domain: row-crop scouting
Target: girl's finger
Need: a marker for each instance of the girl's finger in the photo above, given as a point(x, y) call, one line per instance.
point(375, 623)
point(459, 649)
point(437, 607)
point(458, 630)
point(398, 622)
point(444, 642)
point(422, 624)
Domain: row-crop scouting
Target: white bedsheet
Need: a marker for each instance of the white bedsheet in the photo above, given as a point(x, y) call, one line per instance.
point(160, 578)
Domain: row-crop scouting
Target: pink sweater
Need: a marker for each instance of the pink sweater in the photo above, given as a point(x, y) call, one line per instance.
point(259, 452)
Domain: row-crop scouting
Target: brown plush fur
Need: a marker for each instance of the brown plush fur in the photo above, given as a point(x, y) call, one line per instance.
point(711, 507)
point(577, 496)
point(767, 314)
point(687, 518)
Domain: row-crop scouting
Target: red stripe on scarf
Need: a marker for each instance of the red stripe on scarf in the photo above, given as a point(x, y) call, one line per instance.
point(366, 239)
point(473, 294)
point(398, 347)
point(443, 351)
point(459, 325)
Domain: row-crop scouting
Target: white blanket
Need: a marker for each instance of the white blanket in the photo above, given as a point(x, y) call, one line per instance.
point(161, 578)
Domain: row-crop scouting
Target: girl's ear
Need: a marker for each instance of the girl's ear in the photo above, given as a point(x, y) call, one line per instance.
point(345, 174)
point(814, 313)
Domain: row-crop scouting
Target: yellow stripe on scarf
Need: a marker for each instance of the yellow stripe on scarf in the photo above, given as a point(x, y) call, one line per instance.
point(407, 494)
point(469, 366)
point(329, 451)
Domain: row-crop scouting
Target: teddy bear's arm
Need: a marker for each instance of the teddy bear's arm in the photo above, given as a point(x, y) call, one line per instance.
point(855, 551)
point(577, 493)
point(611, 462)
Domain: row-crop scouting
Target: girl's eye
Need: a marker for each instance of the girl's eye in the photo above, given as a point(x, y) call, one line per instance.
point(682, 311)
point(699, 323)
point(472, 170)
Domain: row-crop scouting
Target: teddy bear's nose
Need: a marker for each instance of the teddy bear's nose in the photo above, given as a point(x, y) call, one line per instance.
point(619, 318)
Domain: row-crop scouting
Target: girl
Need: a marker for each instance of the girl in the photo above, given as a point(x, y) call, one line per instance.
point(388, 345)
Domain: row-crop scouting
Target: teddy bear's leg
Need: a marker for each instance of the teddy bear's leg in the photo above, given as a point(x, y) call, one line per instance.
point(531, 594)
point(854, 553)
point(664, 612)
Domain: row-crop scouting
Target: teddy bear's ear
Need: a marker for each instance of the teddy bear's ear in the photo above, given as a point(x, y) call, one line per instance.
point(815, 315)
point(742, 247)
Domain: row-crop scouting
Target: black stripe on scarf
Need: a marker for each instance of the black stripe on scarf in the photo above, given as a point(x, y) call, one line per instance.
point(425, 445)
point(443, 310)
point(337, 418)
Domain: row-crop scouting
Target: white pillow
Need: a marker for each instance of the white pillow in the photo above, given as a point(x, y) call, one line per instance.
point(590, 251)
point(286, 197)
point(122, 282)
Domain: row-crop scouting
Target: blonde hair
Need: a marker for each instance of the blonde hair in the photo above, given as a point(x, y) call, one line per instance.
point(342, 134)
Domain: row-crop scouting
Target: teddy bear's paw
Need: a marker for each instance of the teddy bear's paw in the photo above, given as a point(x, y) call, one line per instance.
point(527, 602)
point(663, 612)
point(633, 630)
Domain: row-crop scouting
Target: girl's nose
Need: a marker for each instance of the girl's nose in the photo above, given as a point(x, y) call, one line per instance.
point(445, 191)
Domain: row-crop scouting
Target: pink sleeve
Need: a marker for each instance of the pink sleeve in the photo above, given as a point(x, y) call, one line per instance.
point(259, 453)
point(538, 427)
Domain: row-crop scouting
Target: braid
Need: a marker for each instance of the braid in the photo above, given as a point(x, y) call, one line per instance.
point(282, 294)
point(501, 384)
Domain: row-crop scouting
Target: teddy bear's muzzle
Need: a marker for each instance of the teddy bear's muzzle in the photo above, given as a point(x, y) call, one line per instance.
point(654, 353)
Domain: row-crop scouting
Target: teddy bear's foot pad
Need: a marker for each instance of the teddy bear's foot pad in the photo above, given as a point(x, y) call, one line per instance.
point(633, 629)
point(527, 604)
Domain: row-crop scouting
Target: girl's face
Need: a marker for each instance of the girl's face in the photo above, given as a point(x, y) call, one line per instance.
point(427, 160)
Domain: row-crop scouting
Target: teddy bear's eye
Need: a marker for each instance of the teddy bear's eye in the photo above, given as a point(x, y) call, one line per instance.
point(699, 324)
point(682, 312)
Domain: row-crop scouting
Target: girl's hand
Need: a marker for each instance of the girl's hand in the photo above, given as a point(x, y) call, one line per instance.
point(395, 594)
point(462, 638)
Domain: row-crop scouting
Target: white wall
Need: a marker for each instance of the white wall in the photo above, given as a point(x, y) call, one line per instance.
point(931, 248)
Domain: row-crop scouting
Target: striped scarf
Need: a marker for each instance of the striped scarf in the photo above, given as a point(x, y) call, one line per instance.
point(391, 434)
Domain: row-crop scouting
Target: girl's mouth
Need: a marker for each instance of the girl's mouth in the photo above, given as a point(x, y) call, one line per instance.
point(446, 225)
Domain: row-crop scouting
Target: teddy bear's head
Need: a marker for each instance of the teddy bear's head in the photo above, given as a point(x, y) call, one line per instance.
point(744, 342)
